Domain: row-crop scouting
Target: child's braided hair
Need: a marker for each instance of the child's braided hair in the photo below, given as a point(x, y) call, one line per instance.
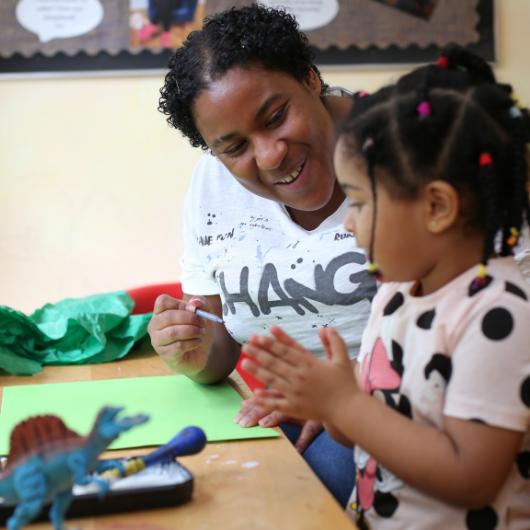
point(450, 121)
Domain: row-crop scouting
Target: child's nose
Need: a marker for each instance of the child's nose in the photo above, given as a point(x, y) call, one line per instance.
point(349, 223)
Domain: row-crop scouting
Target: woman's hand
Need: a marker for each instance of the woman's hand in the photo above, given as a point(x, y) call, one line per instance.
point(310, 430)
point(179, 336)
point(252, 413)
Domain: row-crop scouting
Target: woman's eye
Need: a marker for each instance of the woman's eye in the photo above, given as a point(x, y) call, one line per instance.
point(276, 117)
point(234, 150)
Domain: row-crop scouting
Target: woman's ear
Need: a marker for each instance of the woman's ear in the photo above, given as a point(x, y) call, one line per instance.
point(442, 206)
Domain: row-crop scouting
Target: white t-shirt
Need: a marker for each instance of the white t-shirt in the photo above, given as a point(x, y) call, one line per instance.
point(266, 268)
point(457, 354)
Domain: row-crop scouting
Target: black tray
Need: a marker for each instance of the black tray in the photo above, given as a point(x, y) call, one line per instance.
point(157, 486)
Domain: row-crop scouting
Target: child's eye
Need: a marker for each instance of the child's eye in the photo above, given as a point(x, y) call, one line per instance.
point(357, 205)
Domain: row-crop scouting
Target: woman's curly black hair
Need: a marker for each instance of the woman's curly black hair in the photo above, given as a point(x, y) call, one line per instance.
point(243, 36)
point(451, 121)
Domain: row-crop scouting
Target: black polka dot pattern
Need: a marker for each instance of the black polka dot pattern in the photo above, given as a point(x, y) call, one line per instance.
point(511, 288)
point(404, 407)
point(397, 358)
point(425, 319)
point(497, 323)
point(385, 504)
point(395, 303)
point(525, 391)
point(441, 364)
point(361, 522)
point(523, 464)
point(483, 519)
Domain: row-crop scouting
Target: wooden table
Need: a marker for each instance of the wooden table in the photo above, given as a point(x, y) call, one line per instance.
point(247, 485)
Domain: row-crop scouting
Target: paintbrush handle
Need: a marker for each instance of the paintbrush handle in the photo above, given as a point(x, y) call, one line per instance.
point(188, 441)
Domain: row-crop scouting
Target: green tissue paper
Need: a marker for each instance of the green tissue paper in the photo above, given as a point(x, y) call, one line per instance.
point(93, 329)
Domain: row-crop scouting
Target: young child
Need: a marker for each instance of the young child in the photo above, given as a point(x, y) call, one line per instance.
point(438, 403)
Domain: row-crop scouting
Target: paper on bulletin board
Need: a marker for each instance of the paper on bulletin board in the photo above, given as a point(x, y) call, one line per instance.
point(173, 402)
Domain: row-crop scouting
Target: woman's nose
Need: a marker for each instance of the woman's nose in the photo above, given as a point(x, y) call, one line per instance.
point(269, 153)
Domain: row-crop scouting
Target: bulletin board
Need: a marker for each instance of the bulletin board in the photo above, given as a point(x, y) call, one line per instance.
point(112, 36)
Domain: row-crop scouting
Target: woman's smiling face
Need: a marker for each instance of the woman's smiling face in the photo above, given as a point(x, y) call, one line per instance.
point(273, 133)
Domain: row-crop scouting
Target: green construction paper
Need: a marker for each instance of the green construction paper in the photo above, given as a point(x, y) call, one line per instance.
point(173, 402)
point(92, 329)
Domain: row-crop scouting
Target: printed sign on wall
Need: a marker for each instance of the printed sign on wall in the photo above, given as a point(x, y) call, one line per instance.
point(87, 35)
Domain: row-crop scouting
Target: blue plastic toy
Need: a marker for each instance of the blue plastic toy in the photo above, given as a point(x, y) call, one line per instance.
point(46, 459)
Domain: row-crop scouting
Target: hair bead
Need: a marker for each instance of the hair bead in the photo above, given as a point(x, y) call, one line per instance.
point(485, 159)
point(424, 109)
point(481, 280)
point(514, 237)
point(368, 144)
point(515, 112)
point(442, 61)
point(516, 101)
point(373, 269)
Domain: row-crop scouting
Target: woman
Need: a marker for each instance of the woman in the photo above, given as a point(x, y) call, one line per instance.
point(264, 243)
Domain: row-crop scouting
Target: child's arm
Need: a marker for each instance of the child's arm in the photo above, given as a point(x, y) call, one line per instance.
point(333, 431)
point(465, 464)
point(338, 435)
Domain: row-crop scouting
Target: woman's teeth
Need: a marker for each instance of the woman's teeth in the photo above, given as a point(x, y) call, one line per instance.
point(291, 177)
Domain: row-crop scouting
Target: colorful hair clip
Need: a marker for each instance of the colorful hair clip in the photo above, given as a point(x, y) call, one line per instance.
point(362, 93)
point(513, 238)
point(424, 109)
point(442, 61)
point(485, 159)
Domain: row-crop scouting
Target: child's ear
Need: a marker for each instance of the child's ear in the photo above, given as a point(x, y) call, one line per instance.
point(442, 206)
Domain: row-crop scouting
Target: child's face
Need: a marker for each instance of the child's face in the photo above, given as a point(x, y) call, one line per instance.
point(401, 239)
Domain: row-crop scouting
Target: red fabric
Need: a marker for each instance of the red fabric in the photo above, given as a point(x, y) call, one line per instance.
point(144, 297)
point(249, 379)
point(144, 301)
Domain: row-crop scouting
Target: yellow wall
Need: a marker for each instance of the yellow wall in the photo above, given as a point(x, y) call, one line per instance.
point(92, 179)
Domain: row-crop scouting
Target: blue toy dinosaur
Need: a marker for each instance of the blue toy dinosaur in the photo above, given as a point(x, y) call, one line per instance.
point(46, 459)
